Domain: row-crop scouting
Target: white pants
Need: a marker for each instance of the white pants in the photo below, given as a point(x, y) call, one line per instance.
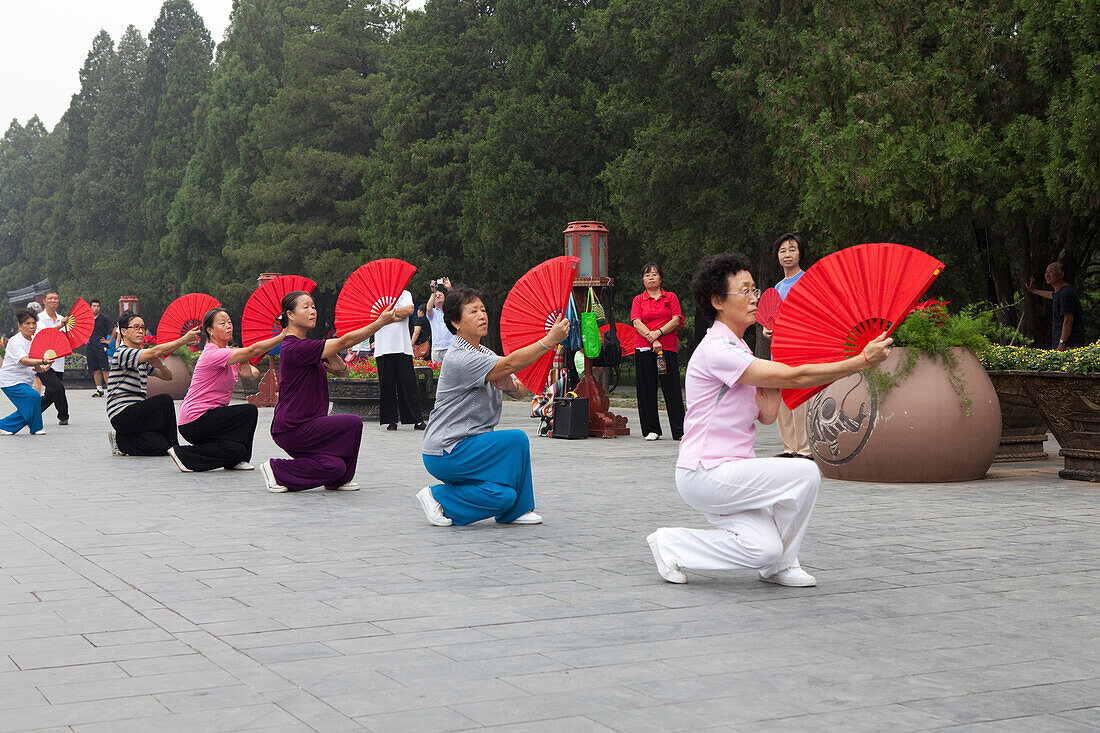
point(762, 506)
point(792, 429)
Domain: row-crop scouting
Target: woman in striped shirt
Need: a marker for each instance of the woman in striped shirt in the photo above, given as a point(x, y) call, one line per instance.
point(140, 426)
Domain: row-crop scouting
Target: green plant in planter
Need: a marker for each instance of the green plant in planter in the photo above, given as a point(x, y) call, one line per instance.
point(1085, 360)
point(933, 330)
point(189, 357)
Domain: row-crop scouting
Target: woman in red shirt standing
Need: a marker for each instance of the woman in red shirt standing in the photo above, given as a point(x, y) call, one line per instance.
point(655, 315)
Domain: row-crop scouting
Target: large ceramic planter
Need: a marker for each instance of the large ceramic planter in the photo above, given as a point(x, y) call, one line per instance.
point(176, 387)
point(1023, 428)
point(360, 396)
point(1071, 405)
point(918, 432)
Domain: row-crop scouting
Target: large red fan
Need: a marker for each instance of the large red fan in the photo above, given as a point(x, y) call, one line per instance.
point(260, 319)
point(183, 314)
point(79, 324)
point(531, 308)
point(767, 308)
point(49, 343)
point(844, 301)
point(371, 289)
point(626, 336)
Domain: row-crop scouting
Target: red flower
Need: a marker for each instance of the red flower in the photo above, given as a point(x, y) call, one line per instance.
point(936, 309)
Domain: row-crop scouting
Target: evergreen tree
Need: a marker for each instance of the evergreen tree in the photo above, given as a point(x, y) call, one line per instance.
point(209, 215)
point(17, 150)
point(171, 146)
point(440, 89)
point(107, 247)
point(317, 134)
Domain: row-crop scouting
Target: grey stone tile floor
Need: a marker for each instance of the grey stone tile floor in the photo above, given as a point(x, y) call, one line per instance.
point(137, 598)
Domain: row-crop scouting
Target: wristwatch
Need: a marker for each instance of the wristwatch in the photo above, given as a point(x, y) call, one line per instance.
point(1061, 342)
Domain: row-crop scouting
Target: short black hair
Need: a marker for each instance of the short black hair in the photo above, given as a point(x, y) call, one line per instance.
point(51, 291)
point(652, 266)
point(456, 299)
point(24, 314)
point(125, 318)
point(788, 236)
point(94, 300)
point(712, 278)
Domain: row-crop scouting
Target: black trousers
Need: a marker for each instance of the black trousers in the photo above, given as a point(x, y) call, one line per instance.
point(220, 438)
point(398, 395)
point(55, 393)
point(647, 378)
point(148, 428)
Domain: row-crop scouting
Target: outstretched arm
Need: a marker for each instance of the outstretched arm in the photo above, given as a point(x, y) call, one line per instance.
point(345, 342)
point(764, 373)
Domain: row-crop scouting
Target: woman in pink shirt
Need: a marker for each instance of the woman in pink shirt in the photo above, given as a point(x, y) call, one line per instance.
point(220, 434)
point(761, 506)
point(655, 315)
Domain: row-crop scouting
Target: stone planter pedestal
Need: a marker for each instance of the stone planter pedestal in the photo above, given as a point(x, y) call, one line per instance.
point(1070, 403)
point(1023, 429)
point(918, 432)
point(361, 396)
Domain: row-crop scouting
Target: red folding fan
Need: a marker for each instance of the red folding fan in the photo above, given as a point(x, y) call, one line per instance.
point(49, 343)
point(371, 289)
point(79, 324)
point(844, 301)
point(767, 308)
point(183, 314)
point(626, 336)
point(530, 310)
point(260, 319)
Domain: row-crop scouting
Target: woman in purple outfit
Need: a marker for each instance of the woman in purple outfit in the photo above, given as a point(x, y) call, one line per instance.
point(323, 448)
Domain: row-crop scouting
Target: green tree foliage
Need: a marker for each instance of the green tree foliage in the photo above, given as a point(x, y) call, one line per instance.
point(317, 134)
point(441, 80)
point(210, 216)
point(103, 211)
point(923, 121)
point(17, 150)
point(691, 175)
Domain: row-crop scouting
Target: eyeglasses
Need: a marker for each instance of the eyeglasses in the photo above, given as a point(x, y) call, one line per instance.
point(136, 328)
point(754, 293)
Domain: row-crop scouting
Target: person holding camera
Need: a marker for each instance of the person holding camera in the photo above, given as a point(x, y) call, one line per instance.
point(441, 337)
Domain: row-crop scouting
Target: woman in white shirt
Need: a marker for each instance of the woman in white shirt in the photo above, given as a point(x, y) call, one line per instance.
point(17, 376)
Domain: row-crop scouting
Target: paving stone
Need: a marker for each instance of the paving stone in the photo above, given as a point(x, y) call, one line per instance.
point(202, 602)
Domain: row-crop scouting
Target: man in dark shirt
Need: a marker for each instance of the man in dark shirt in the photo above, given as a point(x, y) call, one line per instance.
point(97, 348)
point(1067, 321)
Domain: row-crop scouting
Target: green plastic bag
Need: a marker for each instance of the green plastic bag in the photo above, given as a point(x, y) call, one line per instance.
point(590, 330)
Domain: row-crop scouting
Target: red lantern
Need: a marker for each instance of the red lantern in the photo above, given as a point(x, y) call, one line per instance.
point(587, 240)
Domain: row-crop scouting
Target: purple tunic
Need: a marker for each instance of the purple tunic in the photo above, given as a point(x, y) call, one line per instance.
point(324, 449)
point(303, 385)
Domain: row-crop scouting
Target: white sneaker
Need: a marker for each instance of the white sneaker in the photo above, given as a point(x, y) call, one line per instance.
point(179, 463)
point(671, 573)
point(652, 436)
point(528, 518)
point(40, 432)
point(6, 432)
point(349, 486)
point(793, 577)
point(269, 479)
point(114, 443)
point(242, 466)
point(432, 509)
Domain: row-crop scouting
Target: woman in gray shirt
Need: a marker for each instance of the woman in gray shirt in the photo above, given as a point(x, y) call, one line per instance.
point(485, 473)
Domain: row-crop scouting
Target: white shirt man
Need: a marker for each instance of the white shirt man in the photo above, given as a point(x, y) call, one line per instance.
point(398, 394)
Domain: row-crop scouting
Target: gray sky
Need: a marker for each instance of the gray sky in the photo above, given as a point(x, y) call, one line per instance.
point(44, 44)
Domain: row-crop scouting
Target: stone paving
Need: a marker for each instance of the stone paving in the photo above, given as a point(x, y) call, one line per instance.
point(136, 598)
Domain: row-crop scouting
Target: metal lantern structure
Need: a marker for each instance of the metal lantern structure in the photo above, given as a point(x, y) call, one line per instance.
point(587, 241)
point(127, 304)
